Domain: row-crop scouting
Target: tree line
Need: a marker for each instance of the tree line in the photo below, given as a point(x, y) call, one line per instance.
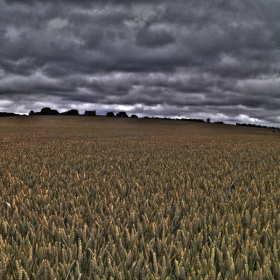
point(46, 111)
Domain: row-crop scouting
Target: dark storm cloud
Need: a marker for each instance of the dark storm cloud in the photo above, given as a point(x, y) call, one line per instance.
point(197, 59)
point(154, 38)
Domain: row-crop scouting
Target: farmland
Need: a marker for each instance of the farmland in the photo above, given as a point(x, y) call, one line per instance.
point(113, 198)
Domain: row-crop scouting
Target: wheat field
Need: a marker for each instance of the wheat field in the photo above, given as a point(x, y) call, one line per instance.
point(113, 198)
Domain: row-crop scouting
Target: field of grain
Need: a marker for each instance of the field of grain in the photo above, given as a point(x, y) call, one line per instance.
point(111, 198)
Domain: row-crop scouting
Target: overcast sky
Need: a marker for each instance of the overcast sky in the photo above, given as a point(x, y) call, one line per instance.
point(183, 58)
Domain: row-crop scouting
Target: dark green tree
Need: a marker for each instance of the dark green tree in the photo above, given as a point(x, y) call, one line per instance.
point(45, 111)
point(110, 114)
point(122, 114)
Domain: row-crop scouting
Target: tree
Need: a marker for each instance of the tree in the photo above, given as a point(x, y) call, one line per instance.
point(72, 112)
point(45, 111)
point(134, 116)
point(208, 120)
point(90, 113)
point(53, 112)
point(122, 114)
point(110, 114)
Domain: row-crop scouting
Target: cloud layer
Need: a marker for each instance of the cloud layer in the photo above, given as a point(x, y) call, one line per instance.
point(196, 59)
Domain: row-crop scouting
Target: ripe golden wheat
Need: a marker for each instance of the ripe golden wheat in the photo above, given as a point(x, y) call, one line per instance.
point(100, 198)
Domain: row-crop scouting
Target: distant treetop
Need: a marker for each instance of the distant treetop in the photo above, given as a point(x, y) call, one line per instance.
point(46, 111)
point(122, 114)
point(110, 114)
point(72, 112)
point(90, 113)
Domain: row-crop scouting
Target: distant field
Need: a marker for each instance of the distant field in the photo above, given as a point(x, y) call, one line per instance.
point(113, 198)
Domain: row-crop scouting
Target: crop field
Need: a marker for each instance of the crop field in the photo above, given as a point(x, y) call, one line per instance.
point(114, 198)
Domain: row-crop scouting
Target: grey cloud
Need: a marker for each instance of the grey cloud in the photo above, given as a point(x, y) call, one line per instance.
point(186, 58)
point(154, 37)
